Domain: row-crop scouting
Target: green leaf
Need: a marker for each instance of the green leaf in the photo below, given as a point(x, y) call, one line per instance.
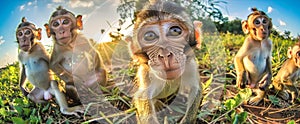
point(274, 100)
point(27, 111)
point(291, 122)
point(33, 111)
point(18, 101)
point(3, 112)
point(208, 82)
point(236, 120)
point(1, 102)
point(230, 104)
point(245, 93)
point(242, 117)
point(46, 107)
point(19, 109)
point(17, 120)
point(49, 121)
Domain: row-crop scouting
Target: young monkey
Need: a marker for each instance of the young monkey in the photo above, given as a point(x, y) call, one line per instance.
point(74, 58)
point(289, 72)
point(253, 60)
point(35, 67)
point(162, 43)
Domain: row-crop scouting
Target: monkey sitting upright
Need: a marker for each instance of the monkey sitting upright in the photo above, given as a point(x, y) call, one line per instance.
point(35, 66)
point(289, 72)
point(74, 58)
point(253, 60)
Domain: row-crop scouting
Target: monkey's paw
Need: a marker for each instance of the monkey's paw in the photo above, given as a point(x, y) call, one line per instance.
point(284, 95)
point(73, 110)
point(255, 100)
point(47, 95)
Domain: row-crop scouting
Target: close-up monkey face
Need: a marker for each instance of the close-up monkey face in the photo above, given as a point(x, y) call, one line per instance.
point(167, 60)
point(294, 53)
point(62, 29)
point(260, 27)
point(25, 37)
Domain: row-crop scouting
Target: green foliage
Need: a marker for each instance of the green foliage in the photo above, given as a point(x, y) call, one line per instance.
point(232, 104)
point(233, 26)
point(14, 107)
point(291, 122)
point(274, 100)
point(240, 118)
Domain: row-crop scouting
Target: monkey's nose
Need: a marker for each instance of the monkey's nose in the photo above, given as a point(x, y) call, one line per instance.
point(62, 31)
point(165, 57)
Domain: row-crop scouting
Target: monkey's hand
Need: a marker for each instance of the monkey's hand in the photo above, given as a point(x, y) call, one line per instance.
point(259, 96)
point(265, 82)
point(47, 95)
point(61, 72)
point(242, 80)
point(284, 95)
point(294, 94)
point(288, 92)
point(24, 91)
point(277, 85)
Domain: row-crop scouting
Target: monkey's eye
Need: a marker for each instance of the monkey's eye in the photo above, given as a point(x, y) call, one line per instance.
point(55, 24)
point(66, 21)
point(150, 36)
point(264, 21)
point(298, 54)
point(174, 31)
point(20, 34)
point(256, 21)
point(27, 32)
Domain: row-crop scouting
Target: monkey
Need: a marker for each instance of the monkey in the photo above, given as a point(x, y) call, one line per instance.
point(253, 60)
point(74, 59)
point(162, 42)
point(35, 67)
point(285, 80)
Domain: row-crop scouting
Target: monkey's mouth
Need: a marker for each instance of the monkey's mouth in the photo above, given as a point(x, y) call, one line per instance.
point(171, 73)
point(64, 40)
point(262, 35)
point(25, 47)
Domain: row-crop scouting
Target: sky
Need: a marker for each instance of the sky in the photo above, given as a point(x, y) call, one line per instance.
point(102, 14)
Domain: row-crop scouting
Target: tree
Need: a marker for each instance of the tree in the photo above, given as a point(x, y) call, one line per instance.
point(286, 34)
point(205, 9)
point(233, 26)
point(199, 9)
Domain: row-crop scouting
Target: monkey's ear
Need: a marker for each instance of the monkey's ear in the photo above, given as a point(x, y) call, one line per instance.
point(39, 34)
point(134, 48)
point(79, 22)
point(128, 39)
point(245, 26)
point(23, 19)
point(290, 52)
point(47, 30)
point(270, 25)
point(197, 26)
